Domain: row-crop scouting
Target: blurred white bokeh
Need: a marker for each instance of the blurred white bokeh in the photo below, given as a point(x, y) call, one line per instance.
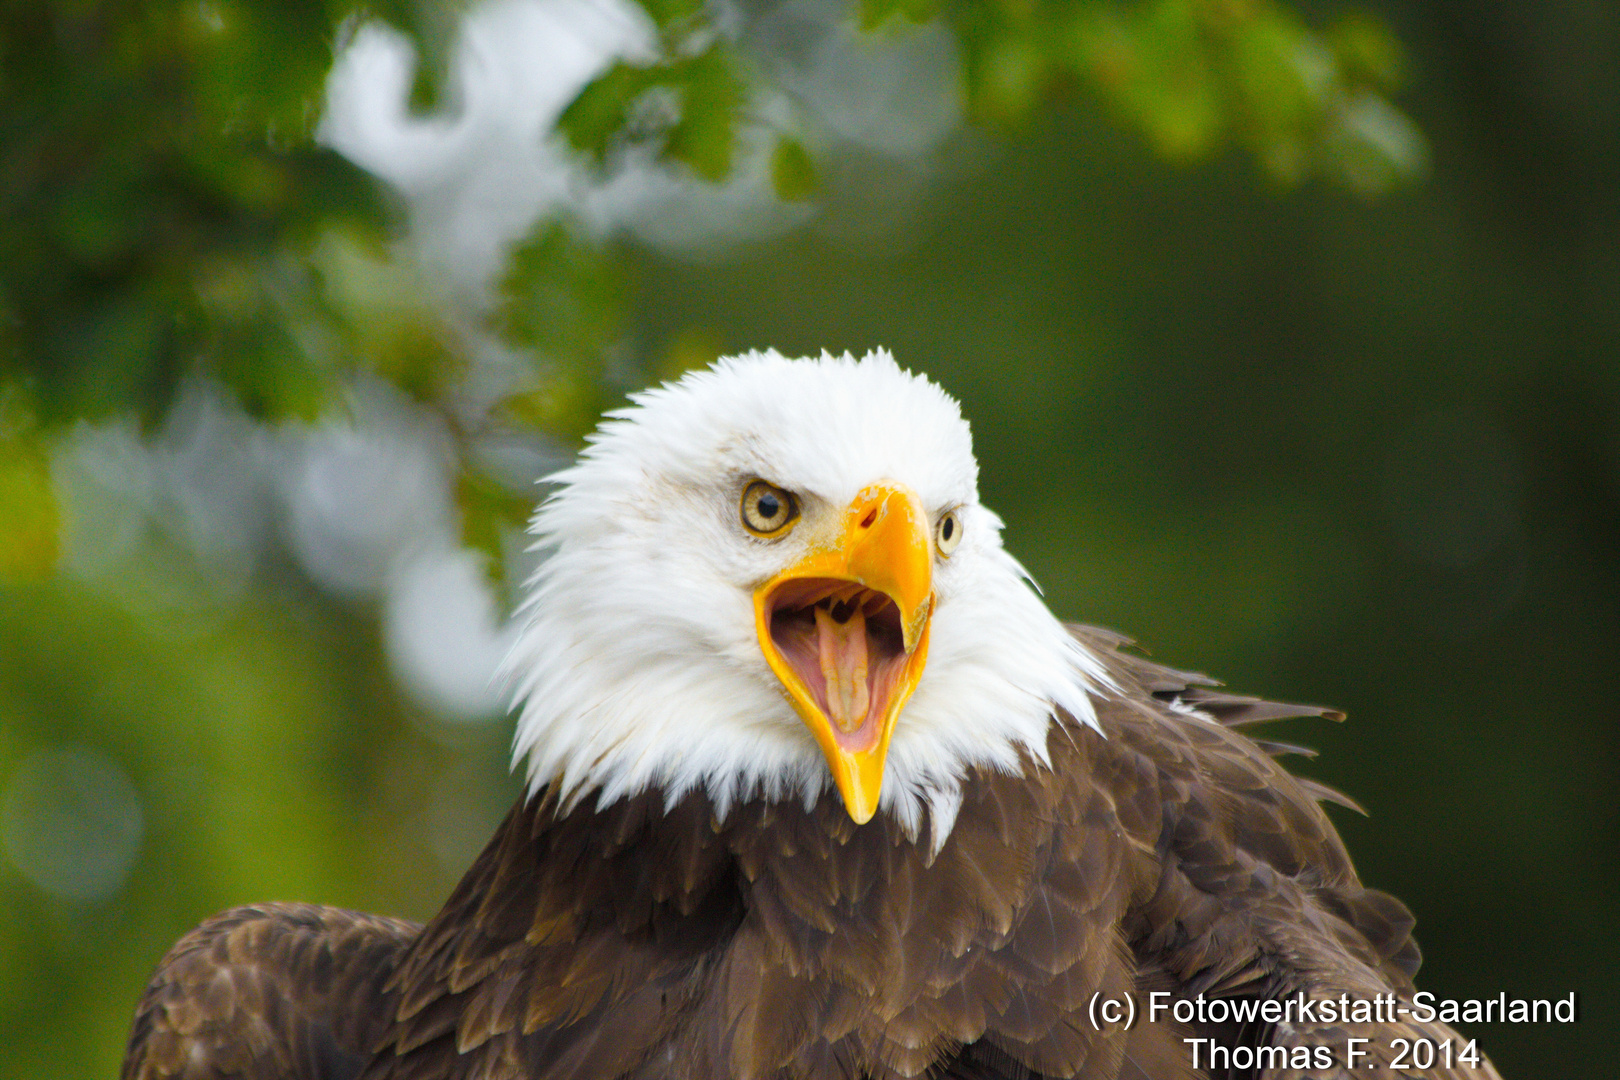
point(364, 504)
point(479, 174)
point(71, 822)
point(445, 633)
point(362, 492)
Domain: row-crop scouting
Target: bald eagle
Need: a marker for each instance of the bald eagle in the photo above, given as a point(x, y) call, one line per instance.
point(818, 788)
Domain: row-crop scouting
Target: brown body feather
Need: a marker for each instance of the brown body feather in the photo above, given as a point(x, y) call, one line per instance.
point(632, 941)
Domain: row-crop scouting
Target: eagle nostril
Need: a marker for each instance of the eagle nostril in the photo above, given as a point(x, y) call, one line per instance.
point(871, 516)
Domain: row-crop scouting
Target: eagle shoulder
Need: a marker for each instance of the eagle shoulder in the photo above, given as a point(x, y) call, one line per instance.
point(575, 946)
point(283, 991)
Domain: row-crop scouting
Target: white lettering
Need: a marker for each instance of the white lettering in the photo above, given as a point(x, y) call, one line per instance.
point(1423, 1007)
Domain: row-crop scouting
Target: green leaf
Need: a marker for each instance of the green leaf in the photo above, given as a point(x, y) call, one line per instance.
point(1284, 73)
point(567, 404)
point(1369, 50)
point(1155, 65)
point(602, 109)
point(793, 173)
point(1010, 75)
point(489, 512)
point(667, 13)
point(872, 14)
point(561, 297)
point(28, 514)
point(387, 316)
point(712, 96)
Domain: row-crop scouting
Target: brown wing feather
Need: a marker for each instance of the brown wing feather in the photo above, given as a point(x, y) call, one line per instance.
point(269, 992)
point(1249, 890)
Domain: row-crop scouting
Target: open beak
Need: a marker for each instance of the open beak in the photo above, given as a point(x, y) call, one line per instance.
point(846, 630)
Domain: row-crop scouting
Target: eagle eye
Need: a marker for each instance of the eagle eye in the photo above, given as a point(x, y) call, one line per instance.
point(948, 532)
point(767, 510)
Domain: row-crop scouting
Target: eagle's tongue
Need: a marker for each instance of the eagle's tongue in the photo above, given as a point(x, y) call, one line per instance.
point(842, 646)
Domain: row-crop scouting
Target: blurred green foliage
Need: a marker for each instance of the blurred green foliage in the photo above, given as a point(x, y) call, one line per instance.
point(160, 192)
point(701, 132)
point(1223, 376)
point(169, 215)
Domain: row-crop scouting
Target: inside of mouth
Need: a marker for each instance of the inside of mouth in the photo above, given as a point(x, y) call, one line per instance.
point(845, 644)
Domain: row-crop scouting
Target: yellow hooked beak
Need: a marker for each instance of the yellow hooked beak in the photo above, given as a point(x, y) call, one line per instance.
point(846, 631)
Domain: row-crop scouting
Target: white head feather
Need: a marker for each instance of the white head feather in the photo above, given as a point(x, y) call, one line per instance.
point(639, 665)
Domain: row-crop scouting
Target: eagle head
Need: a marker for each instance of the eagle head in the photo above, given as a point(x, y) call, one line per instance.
point(772, 578)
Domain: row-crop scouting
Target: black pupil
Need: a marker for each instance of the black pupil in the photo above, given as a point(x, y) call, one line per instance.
point(947, 528)
point(768, 506)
